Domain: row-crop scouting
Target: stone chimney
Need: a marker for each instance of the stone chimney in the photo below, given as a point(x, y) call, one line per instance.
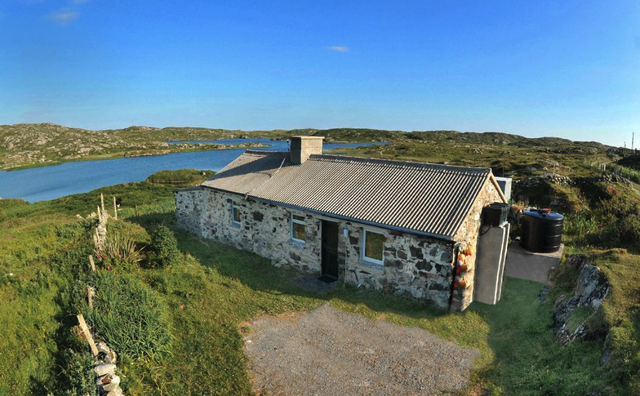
point(304, 146)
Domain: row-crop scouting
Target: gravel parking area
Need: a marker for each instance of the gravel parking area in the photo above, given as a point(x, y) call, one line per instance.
point(330, 352)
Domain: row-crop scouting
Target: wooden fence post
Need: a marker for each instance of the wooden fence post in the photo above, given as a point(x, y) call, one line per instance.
point(102, 202)
point(115, 208)
point(93, 264)
point(90, 296)
point(87, 334)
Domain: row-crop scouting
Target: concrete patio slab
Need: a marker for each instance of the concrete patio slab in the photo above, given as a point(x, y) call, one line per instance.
point(523, 264)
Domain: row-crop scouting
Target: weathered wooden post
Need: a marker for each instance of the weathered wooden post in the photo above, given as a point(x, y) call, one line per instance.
point(87, 334)
point(115, 208)
point(93, 264)
point(90, 296)
point(102, 202)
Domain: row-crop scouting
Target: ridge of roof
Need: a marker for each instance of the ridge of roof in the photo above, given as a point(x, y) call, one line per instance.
point(400, 163)
point(264, 152)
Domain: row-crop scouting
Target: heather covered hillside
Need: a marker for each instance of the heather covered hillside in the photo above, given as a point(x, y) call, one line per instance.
point(45, 144)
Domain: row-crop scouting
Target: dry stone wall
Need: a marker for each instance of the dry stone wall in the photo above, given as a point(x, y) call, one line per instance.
point(416, 267)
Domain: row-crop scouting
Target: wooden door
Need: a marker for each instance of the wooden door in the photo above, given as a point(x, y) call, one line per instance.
point(330, 248)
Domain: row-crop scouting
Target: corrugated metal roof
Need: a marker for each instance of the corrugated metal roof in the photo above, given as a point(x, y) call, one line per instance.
point(427, 198)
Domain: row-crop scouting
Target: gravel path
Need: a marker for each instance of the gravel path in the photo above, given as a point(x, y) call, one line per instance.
point(330, 352)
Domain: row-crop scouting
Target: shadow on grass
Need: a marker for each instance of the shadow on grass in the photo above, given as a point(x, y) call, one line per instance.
point(150, 221)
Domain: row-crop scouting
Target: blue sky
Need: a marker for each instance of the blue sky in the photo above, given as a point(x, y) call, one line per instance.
point(534, 68)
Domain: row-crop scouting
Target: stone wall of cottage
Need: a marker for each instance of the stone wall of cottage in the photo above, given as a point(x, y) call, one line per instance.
point(264, 228)
point(416, 267)
point(468, 235)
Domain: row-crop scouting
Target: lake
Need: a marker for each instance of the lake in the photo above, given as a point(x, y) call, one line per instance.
point(50, 182)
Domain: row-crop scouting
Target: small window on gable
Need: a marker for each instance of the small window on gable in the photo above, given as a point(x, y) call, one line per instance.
point(298, 232)
point(373, 247)
point(235, 213)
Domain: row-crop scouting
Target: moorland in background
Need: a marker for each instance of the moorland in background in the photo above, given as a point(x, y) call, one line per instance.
point(46, 144)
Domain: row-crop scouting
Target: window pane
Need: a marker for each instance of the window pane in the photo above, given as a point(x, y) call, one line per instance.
point(236, 214)
point(298, 231)
point(298, 218)
point(374, 245)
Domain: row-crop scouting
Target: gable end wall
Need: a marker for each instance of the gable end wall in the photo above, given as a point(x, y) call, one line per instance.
point(468, 234)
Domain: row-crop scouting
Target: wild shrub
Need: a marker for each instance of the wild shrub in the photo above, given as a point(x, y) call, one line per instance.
point(119, 252)
point(77, 376)
point(629, 173)
point(621, 217)
point(164, 247)
point(130, 317)
point(580, 225)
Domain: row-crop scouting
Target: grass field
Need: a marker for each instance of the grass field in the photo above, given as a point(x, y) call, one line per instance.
point(215, 289)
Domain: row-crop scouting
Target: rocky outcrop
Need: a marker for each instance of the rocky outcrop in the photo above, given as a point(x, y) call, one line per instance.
point(555, 178)
point(528, 189)
point(548, 162)
point(544, 178)
point(590, 291)
point(592, 287)
point(31, 144)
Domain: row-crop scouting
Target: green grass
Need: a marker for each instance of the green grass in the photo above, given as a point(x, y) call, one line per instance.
point(129, 316)
point(216, 289)
point(517, 157)
point(182, 177)
point(622, 313)
point(26, 337)
point(578, 316)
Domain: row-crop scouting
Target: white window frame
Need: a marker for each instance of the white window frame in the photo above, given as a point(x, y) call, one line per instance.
point(295, 221)
point(235, 207)
point(363, 246)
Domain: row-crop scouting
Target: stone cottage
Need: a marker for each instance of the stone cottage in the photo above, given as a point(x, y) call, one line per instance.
point(406, 227)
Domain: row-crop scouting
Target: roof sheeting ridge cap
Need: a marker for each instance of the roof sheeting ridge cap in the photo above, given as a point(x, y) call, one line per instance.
point(401, 164)
point(264, 152)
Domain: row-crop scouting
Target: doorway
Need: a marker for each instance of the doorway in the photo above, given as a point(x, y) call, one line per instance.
point(330, 249)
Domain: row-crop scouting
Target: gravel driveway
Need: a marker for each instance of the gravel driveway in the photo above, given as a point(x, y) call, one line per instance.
point(330, 352)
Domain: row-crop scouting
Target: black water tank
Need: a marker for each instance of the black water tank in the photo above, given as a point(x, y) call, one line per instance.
point(495, 214)
point(541, 231)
